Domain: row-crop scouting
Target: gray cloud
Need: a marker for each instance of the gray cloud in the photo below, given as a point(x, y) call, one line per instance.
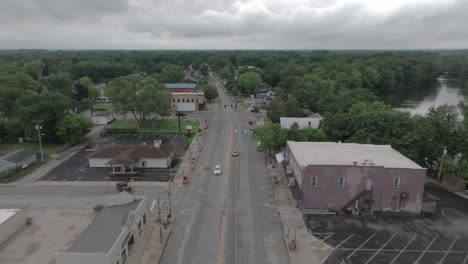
point(224, 24)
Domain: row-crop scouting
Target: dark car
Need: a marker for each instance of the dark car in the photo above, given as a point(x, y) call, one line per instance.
point(255, 110)
point(250, 122)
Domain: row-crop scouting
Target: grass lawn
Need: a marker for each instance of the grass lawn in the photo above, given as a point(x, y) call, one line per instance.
point(158, 126)
point(47, 148)
point(102, 107)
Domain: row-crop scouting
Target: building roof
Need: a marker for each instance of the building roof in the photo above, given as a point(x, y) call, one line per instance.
point(331, 153)
point(130, 154)
point(180, 85)
point(6, 214)
point(80, 107)
point(5, 165)
point(104, 230)
point(17, 156)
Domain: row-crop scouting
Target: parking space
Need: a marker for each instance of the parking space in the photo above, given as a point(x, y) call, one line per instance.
point(441, 239)
point(76, 168)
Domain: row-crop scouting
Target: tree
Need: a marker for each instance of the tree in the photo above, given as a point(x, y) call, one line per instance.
point(86, 88)
point(275, 109)
point(33, 69)
point(249, 83)
point(60, 82)
point(227, 72)
point(204, 69)
point(271, 136)
point(171, 73)
point(292, 107)
point(139, 95)
point(210, 92)
point(73, 127)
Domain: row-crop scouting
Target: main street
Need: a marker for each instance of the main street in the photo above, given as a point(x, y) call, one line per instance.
point(229, 218)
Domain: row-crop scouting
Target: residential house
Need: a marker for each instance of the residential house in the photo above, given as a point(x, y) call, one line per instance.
point(81, 108)
point(339, 177)
point(312, 121)
point(18, 158)
point(103, 117)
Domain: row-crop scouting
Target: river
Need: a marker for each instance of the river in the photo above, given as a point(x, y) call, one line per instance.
point(418, 101)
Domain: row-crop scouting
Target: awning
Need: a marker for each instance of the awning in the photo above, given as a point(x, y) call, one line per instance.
point(279, 157)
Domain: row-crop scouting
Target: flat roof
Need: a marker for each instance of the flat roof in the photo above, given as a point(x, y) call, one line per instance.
point(180, 85)
point(6, 214)
point(104, 230)
point(331, 153)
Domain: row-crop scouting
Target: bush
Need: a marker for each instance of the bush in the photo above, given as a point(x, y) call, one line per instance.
point(121, 130)
point(98, 208)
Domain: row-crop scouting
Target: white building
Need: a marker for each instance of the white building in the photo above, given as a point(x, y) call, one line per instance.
point(312, 121)
point(108, 239)
point(11, 220)
point(103, 117)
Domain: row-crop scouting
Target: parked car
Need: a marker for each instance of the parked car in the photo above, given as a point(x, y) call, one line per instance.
point(255, 110)
point(217, 170)
point(259, 146)
point(123, 186)
point(250, 122)
point(235, 153)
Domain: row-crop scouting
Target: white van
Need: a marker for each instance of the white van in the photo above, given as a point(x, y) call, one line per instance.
point(259, 146)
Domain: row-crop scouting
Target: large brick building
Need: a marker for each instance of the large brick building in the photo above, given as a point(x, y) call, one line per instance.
point(185, 97)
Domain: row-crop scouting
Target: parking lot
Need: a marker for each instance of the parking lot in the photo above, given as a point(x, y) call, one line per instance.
point(442, 238)
point(76, 168)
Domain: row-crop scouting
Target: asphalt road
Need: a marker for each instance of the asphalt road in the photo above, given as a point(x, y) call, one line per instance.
point(229, 218)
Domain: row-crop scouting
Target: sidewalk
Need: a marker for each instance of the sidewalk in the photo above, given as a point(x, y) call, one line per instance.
point(308, 248)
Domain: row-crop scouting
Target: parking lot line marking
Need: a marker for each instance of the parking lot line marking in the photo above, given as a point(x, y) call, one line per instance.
point(328, 237)
point(51, 179)
point(344, 241)
point(401, 251)
point(380, 249)
point(448, 250)
point(352, 253)
point(426, 249)
point(79, 178)
point(466, 259)
point(152, 206)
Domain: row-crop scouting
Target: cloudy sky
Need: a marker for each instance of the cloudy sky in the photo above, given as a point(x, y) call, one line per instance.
point(235, 24)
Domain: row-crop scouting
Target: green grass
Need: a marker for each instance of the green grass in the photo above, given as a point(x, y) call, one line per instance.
point(47, 148)
point(158, 126)
point(102, 107)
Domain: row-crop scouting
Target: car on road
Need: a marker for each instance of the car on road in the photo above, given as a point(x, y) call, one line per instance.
point(252, 127)
point(259, 146)
point(217, 170)
point(250, 122)
point(255, 110)
point(235, 153)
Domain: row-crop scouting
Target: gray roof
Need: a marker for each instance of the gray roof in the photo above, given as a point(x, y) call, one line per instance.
point(5, 165)
point(331, 153)
point(17, 156)
point(180, 85)
point(102, 233)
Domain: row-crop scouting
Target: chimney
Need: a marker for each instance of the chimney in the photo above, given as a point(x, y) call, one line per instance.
point(157, 143)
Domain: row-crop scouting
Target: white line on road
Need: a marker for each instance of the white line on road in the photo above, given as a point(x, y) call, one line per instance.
point(51, 179)
point(380, 249)
point(79, 178)
point(426, 249)
point(401, 251)
point(344, 241)
point(352, 253)
point(466, 259)
point(152, 206)
point(450, 248)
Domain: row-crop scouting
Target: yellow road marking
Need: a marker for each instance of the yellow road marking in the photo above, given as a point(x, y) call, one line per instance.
point(221, 243)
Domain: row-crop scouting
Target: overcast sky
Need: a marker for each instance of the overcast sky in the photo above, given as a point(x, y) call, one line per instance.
point(236, 24)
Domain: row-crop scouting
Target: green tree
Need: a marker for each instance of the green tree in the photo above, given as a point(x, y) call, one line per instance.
point(275, 109)
point(311, 134)
point(139, 95)
point(33, 69)
point(249, 83)
point(171, 73)
point(292, 107)
point(204, 69)
point(227, 72)
point(210, 92)
point(60, 82)
point(271, 136)
point(91, 90)
point(73, 127)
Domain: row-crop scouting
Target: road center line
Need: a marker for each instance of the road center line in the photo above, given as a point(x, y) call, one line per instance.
point(352, 253)
point(401, 252)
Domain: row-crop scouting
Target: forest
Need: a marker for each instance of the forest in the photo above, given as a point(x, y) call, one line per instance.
point(347, 88)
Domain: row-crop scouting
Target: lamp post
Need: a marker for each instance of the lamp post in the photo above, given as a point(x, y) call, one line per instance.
point(38, 128)
point(441, 162)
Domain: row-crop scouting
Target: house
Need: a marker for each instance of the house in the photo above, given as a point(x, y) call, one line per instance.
point(109, 237)
point(312, 121)
point(339, 177)
point(453, 183)
point(185, 97)
point(18, 158)
point(123, 159)
point(103, 117)
point(81, 108)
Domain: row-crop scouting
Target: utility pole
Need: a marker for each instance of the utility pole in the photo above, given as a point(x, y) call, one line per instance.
point(159, 212)
point(38, 128)
point(178, 120)
point(441, 162)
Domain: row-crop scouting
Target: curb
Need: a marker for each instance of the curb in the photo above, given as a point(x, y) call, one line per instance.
point(167, 239)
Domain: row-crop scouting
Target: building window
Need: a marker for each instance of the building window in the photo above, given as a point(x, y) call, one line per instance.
point(192, 100)
point(341, 182)
point(173, 106)
point(143, 163)
point(314, 182)
point(173, 100)
point(178, 100)
point(183, 100)
point(396, 182)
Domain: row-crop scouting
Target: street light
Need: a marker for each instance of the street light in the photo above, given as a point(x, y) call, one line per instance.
point(38, 128)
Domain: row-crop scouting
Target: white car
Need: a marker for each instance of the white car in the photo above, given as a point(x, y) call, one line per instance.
point(217, 170)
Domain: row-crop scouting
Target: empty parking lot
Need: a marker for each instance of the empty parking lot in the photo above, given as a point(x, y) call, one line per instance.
point(396, 239)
